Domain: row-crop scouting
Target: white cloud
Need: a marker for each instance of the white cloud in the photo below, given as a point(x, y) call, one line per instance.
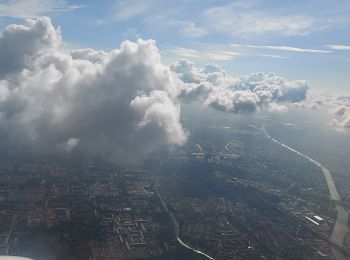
point(222, 55)
point(212, 86)
point(188, 72)
point(272, 56)
point(285, 48)
point(338, 109)
point(339, 47)
point(33, 8)
point(219, 52)
point(341, 114)
point(127, 9)
point(209, 54)
point(69, 145)
point(233, 101)
point(186, 52)
point(89, 54)
point(276, 108)
point(20, 43)
point(167, 22)
point(122, 103)
point(190, 29)
point(241, 20)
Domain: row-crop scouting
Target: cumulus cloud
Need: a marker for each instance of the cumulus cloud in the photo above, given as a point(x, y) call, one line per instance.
point(338, 109)
point(95, 56)
point(212, 86)
point(277, 108)
point(20, 44)
point(341, 117)
point(122, 103)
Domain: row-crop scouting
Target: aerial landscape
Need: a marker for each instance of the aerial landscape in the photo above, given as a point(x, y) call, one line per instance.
point(174, 129)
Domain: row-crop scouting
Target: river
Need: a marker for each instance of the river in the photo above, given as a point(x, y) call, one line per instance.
point(177, 231)
point(341, 227)
point(339, 230)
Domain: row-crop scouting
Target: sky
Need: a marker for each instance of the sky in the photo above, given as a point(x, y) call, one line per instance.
point(307, 40)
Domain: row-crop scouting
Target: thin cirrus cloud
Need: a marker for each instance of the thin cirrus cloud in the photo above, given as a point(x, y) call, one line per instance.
point(339, 47)
point(273, 56)
point(282, 48)
point(128, 9)
point(247, 21)
point(187, 28)
point(190, 29)
point(186, 52)
point(33, 8)
point(216, 55)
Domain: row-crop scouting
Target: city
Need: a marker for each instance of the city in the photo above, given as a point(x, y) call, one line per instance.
point(227, 198)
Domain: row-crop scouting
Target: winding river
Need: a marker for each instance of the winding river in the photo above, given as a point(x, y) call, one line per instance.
point(176, 225)
point(340, 228)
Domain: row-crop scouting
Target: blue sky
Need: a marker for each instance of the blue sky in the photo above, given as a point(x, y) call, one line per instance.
point(295, 39)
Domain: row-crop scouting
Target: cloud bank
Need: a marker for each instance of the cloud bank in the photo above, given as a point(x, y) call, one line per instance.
point(338, 109)
point(213, 87)
point(122, 103)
